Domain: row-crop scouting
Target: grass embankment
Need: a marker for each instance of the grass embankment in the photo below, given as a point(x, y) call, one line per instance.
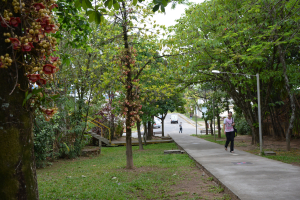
point(156, 176)
point(291, 157)
point(194, 118)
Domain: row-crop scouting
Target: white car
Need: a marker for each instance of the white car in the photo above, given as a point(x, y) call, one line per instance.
point(174, 119)
point(157, 123)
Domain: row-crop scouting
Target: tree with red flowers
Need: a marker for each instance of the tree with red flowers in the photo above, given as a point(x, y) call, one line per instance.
point(26, 59)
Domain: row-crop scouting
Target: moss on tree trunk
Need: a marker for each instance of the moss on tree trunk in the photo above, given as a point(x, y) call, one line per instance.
point(17, 161)
point(17, 166)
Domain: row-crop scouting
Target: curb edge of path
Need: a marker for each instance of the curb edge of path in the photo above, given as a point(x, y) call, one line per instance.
point(226, 189)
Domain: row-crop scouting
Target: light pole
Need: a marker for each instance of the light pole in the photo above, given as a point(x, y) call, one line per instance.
point(195, 111)
point(214, 118)
point(258, 99)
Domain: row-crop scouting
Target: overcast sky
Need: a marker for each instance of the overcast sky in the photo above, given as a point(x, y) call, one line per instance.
point(168, 19)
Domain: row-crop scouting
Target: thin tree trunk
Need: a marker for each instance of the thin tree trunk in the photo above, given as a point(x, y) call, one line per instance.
point(291, 96)
point(206, 127)
point(145, 132)
point(129, 96)
point(219, 125)
point(150, 131)
point(211, 128)
point(138, 124)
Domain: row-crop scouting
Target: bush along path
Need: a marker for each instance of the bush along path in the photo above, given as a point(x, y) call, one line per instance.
point(156, 176)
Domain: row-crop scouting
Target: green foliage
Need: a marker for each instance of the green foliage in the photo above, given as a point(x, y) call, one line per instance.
point(241, 124)
point(62, 136)
point(220, 39)
point(44, 138)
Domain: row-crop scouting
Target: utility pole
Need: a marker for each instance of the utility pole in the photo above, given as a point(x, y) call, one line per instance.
point(214, 117)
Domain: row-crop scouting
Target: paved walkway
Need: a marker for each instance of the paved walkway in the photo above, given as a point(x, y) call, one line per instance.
point(246, 175)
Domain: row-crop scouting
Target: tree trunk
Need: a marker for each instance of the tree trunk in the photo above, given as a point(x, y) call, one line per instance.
point(138, 124)
point(219, 125)
point(145, 132)
point(206, 127)
point(211, 128)
point(150, 131)
point(129, 96)
point(291, 97)
point(129, 163)
point(17, 161)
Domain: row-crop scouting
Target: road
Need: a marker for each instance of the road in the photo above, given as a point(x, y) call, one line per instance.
point(187, 127)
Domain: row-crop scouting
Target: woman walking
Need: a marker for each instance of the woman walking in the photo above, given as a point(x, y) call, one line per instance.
point(229, 132)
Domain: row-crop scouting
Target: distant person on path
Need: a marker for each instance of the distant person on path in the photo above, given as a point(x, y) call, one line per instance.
point(180, 127)
point(229, 132)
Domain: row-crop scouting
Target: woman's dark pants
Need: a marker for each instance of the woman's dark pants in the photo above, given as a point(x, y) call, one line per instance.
point(230, 138)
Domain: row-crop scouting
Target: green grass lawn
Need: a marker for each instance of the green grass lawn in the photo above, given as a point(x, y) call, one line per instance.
point(290, 157)
point(105, 177)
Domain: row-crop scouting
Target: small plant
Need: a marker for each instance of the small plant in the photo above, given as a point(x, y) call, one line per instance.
point(210, 178)
point(215, 189)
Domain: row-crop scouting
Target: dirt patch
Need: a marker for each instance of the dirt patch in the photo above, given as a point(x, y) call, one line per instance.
point(192, 183)
point(269, 143)
point(196, 184)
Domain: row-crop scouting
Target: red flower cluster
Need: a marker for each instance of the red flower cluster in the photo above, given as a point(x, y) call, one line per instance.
point(41, 82)
point(15, 43)
point(3, 22)
point(33, 77)
point(43, 21)
point(53, 6)
point(49, 111)
point(27, 46)
point(53, 59)
point(14, 21)
point(33, 44)
point(49, 69)
point(38, 6)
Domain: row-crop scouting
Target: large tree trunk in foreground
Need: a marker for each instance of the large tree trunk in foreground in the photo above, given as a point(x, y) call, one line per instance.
point(17, 161)
point(138, 124)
